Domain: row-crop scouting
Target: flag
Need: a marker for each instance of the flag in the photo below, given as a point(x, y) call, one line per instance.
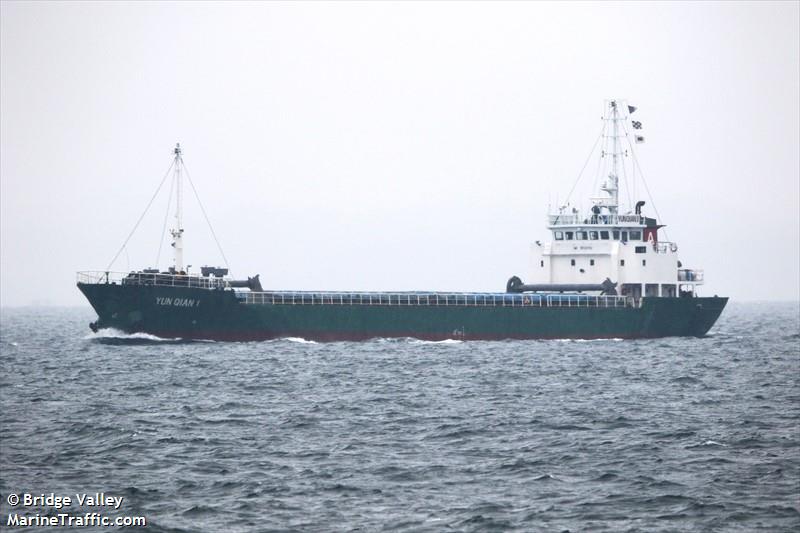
point(639, 139)
point(631, 109)
point(636, 125)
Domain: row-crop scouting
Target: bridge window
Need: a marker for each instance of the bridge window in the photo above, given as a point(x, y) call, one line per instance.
point(624, 236)
point(636, 235)
point(580, 235)
point(593, 235)
point(604, 235)
point(568, 235)
point(572, 262)
point(559, 235)
point(615, 234)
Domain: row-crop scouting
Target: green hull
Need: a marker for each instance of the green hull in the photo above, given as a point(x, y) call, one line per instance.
point(194, 313)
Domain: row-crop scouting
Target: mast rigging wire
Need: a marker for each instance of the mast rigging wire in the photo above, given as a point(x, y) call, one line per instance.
point(213, 234)
point(644, 182)
point(585, 163)
point(142, 216)
point(166, 216)
point(599, 161)
point(625, 176)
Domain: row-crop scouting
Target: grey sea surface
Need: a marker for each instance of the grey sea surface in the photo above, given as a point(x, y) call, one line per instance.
point(674, 434)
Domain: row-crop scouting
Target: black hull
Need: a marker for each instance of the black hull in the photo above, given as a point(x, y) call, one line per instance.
point(194, 313)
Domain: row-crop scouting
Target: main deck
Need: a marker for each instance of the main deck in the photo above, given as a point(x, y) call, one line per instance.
point(359, 298)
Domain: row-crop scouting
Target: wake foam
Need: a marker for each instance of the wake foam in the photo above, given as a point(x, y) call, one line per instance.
point(299, 340)
point(612, 339)
point(445, 341)
point(116, 335)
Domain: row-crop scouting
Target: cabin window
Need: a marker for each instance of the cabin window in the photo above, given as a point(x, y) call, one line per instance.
point(559, 235)
point(581, 235)
point(644, 262)
point(604, 235)
point(624, 236)
point(622, 262)
point(636, 235)
point(593, 235)
point(641, 249)
point(542, 263)
point(568, 235)
point(572, 262)
point(615, 235)
point(591, 262)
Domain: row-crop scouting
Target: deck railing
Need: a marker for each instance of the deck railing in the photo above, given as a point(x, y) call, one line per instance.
point(150, 278)
point(690, 275)
point(663, 247)
point(358, 298)
point(575, 219)
point(433, 299)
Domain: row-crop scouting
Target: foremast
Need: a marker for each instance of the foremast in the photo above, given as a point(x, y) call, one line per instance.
point(177, 231)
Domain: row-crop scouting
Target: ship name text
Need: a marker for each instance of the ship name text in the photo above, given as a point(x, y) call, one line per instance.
point(177, 302)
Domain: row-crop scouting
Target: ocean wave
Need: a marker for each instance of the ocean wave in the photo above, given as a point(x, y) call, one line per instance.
point(612, 339)
point(271, 432)
point(707, 443)
point(113, 333)
point(445, 341)
point(299, 340)
point(412, 340)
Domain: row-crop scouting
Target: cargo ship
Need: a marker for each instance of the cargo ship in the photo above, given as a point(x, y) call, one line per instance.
point(599, 274)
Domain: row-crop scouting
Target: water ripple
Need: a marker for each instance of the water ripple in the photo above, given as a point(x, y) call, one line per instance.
point(405, 435)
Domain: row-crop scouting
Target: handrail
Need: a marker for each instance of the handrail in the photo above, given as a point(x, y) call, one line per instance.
point(150, 278)
point(432, 299)
point(594, 220)
point(691, 275)
point(662, 247)
point(460, 299)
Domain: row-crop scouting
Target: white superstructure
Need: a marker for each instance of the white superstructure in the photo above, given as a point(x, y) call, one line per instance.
point(623, 245)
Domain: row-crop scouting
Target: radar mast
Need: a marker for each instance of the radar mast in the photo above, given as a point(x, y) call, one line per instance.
point(611, 185)
point(177, 231)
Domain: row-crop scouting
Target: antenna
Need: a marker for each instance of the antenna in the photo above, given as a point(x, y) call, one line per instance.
point(177, 232)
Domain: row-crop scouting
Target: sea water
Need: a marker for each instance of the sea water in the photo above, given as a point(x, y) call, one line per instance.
point(674, 434)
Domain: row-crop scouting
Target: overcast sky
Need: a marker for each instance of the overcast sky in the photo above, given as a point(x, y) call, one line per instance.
point(389, 146)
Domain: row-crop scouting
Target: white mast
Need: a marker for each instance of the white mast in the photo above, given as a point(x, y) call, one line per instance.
point(611, 185)
point(177, 232)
